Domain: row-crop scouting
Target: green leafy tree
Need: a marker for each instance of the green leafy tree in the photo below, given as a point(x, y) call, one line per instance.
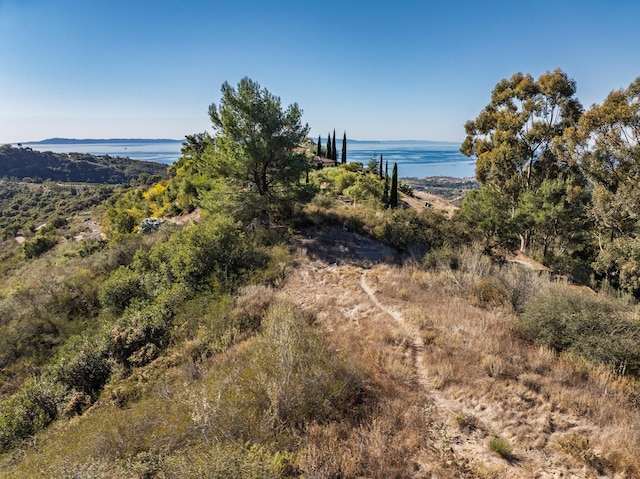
point(487, 213)
point(513, 137)
point(609, 153)
point(518, 137)
point(255, 143)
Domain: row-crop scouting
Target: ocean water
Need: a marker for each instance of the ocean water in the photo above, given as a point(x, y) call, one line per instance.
point(165, 152)
point(416, 159)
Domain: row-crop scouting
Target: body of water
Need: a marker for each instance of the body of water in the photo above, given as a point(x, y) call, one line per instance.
point(416, 159)
point(165, 152)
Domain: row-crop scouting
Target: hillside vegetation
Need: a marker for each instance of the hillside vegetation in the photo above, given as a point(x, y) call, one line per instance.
point(27, 164)
point(251, 317)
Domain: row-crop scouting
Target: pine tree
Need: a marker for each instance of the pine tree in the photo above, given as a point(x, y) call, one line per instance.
point(393, 200)
point(380, 169)
point(334, 150)
point(344, 148)
point(329, 146)
point(319, 146)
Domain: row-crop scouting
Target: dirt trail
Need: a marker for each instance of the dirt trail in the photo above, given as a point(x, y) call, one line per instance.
point(339, 278)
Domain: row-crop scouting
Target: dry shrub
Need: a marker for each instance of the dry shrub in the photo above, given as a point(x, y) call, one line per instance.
point(531, 381)
point(328, 452)
point(489, 292)
point(443, 375)
point(251, 306)
point(494, 365)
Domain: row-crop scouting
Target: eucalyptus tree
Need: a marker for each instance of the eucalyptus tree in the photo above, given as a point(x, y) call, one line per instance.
point(609, 142)
point(608, 149)
point(517, 138)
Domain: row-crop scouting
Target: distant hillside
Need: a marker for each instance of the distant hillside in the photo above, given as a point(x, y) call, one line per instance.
point(73, 141)
point(25, 163)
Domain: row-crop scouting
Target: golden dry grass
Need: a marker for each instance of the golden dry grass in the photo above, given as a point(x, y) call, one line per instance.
point(426, 345)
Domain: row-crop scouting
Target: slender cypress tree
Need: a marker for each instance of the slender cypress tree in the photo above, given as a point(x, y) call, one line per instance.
point(344, 148)
point(393, 200)
point(380, 169)
point(319, 146)
point(385, 195)
point(329, 155)
point(334, 150)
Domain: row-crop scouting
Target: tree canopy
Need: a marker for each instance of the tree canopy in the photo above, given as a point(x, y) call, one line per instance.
point(255, 142)
point(514, 135)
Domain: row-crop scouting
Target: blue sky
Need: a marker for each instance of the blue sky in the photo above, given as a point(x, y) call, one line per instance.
point(405, 69)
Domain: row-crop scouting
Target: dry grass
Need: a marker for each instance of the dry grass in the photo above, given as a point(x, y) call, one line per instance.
point(475, 368)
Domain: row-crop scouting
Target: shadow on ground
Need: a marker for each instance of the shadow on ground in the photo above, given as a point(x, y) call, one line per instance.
point(337, 245)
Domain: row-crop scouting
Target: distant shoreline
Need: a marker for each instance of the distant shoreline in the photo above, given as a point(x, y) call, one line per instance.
point(73, 141)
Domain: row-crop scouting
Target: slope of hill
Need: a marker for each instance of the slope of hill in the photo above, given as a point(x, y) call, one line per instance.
point(25, 163)
point(339, 357)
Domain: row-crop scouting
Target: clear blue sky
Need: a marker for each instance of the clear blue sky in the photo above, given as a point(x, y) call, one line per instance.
point(403, 69)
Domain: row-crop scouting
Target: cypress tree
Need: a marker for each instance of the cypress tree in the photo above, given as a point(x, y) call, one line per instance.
point(334, 150)
point(380, 169)
point(393, 200)
point(385, 195)
point(344, 148)
point(319, 146)
point(329, 155)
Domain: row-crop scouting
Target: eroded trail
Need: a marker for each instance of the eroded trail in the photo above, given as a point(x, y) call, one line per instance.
point(429, 355)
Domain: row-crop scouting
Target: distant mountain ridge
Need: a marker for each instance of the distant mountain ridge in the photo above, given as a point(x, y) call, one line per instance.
point(73, 141)
point(32, 165)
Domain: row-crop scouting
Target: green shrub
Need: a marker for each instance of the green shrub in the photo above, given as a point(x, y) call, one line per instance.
point(284, 380)
point(82, 364)
point(39, 245)
point(27, 412)
point(138, 335)
point(122, 287)
point(502, 447)
point(595, 327)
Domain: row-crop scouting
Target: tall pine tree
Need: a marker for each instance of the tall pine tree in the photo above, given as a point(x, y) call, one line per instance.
point(380, 169)
point(329, 155)
point(319, 146)
point(344, 148)
point(393, 200)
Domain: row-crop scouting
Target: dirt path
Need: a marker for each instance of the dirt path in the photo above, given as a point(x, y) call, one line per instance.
point(343, 279)
point(417, 341)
